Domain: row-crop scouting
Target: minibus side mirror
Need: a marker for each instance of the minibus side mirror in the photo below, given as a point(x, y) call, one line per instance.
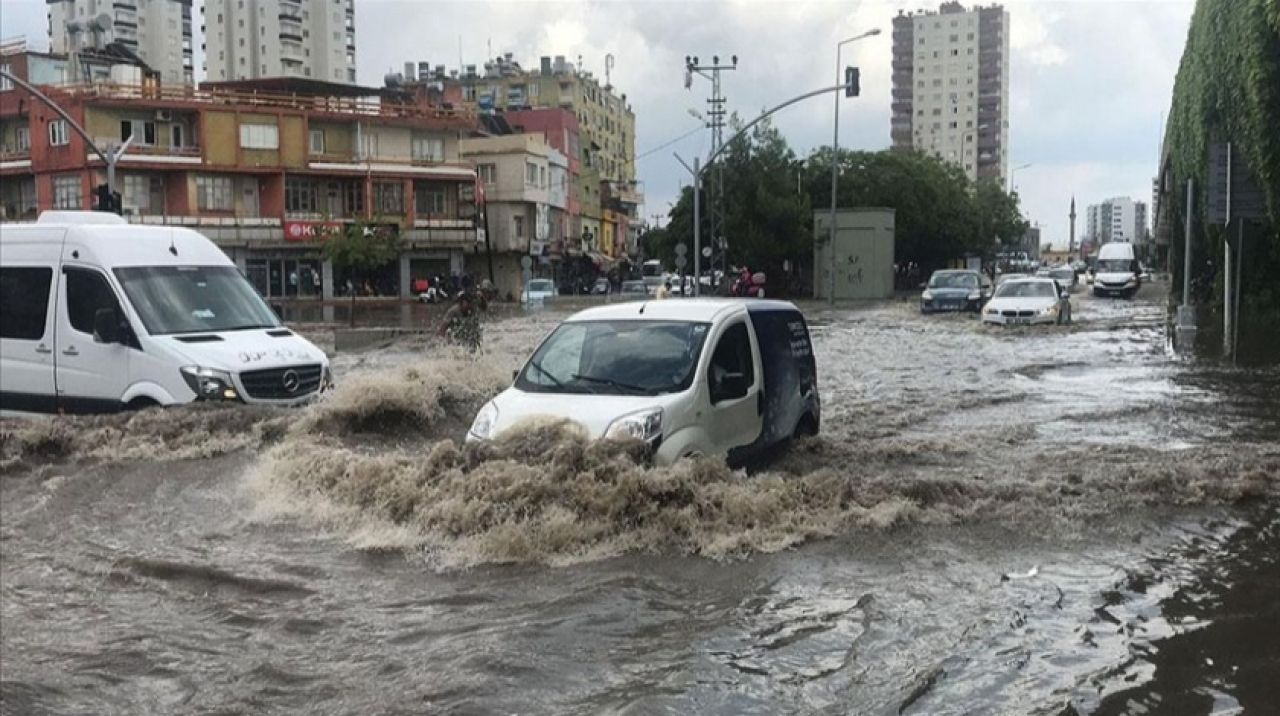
point(106, 326)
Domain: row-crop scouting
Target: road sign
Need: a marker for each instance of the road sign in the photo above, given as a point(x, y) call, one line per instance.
point(681, 261)
point(525, 262)
point(681, 249)
point(1233, 193)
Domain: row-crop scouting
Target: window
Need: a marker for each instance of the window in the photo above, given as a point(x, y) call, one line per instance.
point(300, 195)
point(143, 132)
point(66, 192)
point(214, 193)
point(6, 84)
point(530, 174)
point(259, 136)
point(58, 133)
point(731, 373)
point(316, 141)
point(430, 149)
point(143, 193)
point(388, 198)
point(22, 139)
point(24, 293)
point(87, 293)
point(517, 226)
point(542, 177)
point(487, 173)
point(368, 145)
point(431, 200)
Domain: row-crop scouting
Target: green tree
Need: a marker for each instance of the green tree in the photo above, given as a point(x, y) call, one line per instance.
point(360, 249)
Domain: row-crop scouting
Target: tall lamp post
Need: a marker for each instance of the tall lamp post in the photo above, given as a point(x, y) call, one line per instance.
point(835, 164)
point(1013, 174)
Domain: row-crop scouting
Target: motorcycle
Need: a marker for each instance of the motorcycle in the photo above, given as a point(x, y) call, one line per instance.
point(748, 286)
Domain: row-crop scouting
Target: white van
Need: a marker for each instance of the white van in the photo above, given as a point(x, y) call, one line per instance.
point(97, 315)
point(1117, 272)
point(697, 377)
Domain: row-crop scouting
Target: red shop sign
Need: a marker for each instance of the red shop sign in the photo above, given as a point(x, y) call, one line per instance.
point(309, 230)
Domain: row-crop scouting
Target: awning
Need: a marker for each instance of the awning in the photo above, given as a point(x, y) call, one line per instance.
point(600, 260)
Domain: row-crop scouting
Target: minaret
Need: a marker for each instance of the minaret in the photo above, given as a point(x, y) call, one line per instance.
point(1071, 245)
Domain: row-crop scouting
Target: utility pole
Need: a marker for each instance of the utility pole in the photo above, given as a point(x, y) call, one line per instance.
point(715, 122)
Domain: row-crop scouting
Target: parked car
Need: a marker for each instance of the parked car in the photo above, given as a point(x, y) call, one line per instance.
point(1117, 273)
point(601, 287)
point(1028, 301)
point(538, 290)
point(122, 316)
point(955, 290)
point(634, 289)
point(713, 377)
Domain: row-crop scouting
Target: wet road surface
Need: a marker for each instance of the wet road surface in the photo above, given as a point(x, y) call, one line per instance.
point(1054, 520)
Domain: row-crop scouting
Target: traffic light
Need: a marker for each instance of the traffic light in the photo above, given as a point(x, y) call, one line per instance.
point(852, 79)
point(108, 200)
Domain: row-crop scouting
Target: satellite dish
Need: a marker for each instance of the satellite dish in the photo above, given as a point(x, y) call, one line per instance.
point(102, 22)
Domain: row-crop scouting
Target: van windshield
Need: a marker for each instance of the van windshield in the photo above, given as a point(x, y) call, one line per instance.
point(194, 299)
point(1115, 265)
point(616, 358)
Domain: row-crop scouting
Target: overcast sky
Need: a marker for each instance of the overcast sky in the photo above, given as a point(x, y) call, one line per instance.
point(1091, 79)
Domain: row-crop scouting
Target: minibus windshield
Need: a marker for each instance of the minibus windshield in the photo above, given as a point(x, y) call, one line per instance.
point(194, 299)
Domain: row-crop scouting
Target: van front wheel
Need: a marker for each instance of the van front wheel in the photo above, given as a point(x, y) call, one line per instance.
point(141, 404)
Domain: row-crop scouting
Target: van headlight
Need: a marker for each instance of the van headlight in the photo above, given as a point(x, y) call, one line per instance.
point(209, 383)
point(326, 382)
point(643, 425)
point(482, 426)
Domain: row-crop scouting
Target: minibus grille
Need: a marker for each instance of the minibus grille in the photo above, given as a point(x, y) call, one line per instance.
point(282, 383)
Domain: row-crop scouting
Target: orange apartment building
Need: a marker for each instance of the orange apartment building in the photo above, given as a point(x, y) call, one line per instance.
point(257, 166)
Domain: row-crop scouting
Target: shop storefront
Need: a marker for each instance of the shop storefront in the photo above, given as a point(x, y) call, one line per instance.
point(292, 275)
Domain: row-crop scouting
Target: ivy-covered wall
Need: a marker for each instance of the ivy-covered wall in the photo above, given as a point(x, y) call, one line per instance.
point(1228, 89)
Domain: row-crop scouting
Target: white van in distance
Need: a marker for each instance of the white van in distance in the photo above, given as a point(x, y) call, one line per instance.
point(1117, 271)
point(696, 377)
point(97, 315)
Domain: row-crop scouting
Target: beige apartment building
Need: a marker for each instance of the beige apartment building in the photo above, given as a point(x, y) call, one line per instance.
point(252, 39)
point(951, 87)
point(157, 31)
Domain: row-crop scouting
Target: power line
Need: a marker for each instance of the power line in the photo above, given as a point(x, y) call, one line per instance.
point(686, 135)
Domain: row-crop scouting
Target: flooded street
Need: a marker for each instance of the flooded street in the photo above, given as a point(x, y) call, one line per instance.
point(1060, 520)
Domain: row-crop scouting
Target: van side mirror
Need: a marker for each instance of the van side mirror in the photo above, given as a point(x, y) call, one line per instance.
point(106, 326)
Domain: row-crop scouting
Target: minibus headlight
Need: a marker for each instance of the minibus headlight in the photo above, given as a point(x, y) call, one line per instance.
point(643, 425)
point(482, 426)
point(209, 384)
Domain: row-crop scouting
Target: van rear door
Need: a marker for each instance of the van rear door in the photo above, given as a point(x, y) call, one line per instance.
point(92, 375)
point(27, 334)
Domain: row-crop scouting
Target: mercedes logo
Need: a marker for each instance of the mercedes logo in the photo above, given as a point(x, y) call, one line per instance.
point(290, 380)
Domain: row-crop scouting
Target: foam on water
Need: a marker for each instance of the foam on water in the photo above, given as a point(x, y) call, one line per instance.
point(544, 493)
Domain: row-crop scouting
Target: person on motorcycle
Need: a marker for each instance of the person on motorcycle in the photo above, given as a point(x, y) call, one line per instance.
point(461, 324)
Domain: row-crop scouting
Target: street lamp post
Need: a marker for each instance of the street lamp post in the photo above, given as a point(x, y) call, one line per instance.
point(835, 166)
point(1013, 173)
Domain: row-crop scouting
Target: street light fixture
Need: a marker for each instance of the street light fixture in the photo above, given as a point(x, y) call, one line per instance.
point(1013, 173)
point(835, 163)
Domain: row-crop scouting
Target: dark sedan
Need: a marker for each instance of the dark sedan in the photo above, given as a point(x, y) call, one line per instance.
point(955, 290)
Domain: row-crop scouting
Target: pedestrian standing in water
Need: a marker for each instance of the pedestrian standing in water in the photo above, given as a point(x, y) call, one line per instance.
point(664, 291)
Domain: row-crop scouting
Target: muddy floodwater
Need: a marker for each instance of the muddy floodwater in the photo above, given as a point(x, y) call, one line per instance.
point(1059, 520)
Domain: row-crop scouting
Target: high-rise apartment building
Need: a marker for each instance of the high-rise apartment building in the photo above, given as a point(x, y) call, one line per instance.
point(1117, 219)
point(951, 87)
point(252, 39)
point(157, 31)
